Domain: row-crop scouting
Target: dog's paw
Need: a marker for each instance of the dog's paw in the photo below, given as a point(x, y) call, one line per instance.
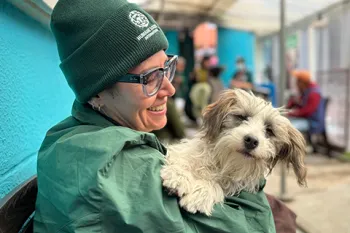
point(195, 195)
point(201, 200)
point(194, 206)
point(174, 182)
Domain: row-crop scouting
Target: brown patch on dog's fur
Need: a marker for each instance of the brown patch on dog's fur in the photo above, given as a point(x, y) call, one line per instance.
point(215, 113)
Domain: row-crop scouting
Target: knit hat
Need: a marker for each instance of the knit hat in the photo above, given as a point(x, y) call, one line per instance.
point(99, 41)
point(302, 75)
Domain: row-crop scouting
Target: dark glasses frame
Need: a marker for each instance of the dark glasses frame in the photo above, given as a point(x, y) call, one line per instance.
point(142, 78)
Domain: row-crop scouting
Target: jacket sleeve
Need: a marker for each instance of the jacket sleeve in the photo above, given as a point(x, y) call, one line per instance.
point(310, 107)
point(290, 104)
point(134, 201)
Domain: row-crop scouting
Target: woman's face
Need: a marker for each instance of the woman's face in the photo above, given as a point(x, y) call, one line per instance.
point(129, 106)
point(206, 64)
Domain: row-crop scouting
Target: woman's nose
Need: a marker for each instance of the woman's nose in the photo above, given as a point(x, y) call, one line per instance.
point(167, 87)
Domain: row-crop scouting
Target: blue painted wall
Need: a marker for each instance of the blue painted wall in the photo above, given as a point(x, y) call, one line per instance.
point(172, 37)
point(231, 44)
point(33, 93)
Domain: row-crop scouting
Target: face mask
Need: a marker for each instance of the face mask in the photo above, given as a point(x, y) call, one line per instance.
point(240, 66)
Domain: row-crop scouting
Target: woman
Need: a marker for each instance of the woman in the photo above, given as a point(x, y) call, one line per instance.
point(201, 90)
point(202, 73)
point(215, 83)
point(242, 78)
point(98, 170)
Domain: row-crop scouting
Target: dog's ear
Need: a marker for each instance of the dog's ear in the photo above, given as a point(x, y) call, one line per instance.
point(215, 113)
point(293, 152)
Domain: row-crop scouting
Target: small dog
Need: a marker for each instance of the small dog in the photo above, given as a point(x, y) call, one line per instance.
point(241, 140)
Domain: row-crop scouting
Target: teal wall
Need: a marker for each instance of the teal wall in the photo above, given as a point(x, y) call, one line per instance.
point(172, 37)
point(232, 44)
point(33, 93)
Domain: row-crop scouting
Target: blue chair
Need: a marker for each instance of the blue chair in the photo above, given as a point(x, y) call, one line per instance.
point(323, 143)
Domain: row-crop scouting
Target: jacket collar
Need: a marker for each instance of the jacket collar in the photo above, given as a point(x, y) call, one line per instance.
point(87, 116)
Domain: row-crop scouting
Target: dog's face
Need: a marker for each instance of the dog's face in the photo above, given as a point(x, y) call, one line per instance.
point(253, 134)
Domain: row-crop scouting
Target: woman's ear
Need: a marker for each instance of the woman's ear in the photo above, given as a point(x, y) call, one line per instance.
point(95, 101)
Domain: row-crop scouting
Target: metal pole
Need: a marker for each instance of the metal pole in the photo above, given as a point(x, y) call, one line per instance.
point(282, 82)
point(347, 110)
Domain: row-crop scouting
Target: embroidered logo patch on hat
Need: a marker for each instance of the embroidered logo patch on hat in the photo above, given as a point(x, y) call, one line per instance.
point(138, 19)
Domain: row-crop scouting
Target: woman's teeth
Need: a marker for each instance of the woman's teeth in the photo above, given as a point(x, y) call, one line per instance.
point(157, 108)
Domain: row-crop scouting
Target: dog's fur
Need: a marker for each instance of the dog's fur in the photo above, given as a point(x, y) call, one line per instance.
point(215, 164)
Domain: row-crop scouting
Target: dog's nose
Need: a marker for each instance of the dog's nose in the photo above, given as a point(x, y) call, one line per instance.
point(250, 142)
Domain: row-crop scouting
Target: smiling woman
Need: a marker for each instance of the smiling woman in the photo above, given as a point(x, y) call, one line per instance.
point(121, 88)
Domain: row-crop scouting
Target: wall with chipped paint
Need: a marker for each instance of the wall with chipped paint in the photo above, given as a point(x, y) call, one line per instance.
point(33, 93)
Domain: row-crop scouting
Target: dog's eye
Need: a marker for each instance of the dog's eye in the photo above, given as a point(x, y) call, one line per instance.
point(241, 117)
point(269, 132)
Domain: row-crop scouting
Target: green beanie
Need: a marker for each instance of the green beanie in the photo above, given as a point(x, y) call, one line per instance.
point(99, 41)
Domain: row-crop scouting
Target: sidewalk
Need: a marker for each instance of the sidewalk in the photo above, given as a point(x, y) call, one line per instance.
point(323, 207)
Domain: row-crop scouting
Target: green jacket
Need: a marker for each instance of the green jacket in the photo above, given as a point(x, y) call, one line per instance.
point(94, 176)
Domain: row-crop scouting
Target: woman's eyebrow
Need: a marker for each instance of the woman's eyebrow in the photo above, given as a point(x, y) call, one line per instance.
point(150, 68)
point(162, 65)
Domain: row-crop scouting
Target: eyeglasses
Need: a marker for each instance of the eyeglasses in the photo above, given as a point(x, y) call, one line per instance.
point(152, 79)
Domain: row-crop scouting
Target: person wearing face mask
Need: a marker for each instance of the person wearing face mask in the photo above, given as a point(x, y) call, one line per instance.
point(99, 169)
point(242, 78)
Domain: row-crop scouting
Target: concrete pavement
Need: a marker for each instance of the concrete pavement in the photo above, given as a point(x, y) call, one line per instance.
point(324, 206)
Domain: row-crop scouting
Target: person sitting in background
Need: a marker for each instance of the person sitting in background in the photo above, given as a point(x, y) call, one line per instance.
point(200, 97)
point(202, 74)
point(179, 79)
point(201, 91)
point(242, 78)
point(174, 129)
point(215, 83)
point(307, 110)
point(197, 76)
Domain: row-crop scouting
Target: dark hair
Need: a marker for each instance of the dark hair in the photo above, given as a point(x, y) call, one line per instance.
point(205, 59)
point(240, 59)
point(216, 71)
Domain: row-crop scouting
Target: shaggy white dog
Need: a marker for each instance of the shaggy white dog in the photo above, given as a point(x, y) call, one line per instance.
point(241, 140)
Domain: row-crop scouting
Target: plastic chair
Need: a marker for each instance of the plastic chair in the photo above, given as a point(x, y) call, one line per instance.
point(324, 143)
point(17, 208)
